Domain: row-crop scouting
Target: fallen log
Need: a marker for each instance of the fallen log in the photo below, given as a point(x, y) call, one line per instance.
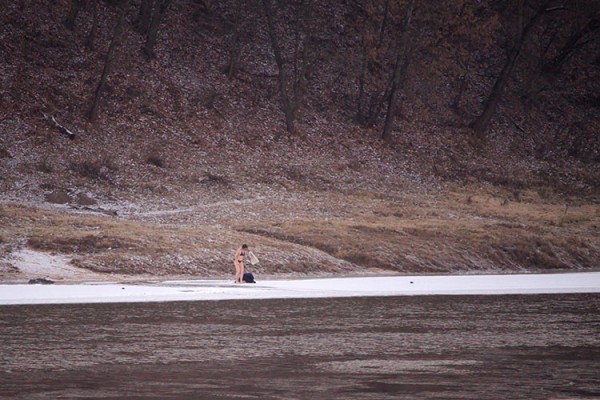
point(62, 129)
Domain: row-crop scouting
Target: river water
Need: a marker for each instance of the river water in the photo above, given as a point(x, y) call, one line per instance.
point(422, 347)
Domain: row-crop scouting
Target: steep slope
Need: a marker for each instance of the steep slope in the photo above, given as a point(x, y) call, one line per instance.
point(204, 162)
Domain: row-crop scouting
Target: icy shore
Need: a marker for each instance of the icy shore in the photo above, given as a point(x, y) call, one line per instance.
point(197, 290)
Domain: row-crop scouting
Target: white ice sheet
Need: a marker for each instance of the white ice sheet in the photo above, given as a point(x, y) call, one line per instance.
point(582, 282)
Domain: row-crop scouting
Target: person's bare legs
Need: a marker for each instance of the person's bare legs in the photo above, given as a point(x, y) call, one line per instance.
point(238, 271)
point(242, 272)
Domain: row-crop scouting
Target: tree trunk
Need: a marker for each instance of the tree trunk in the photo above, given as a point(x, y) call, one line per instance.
point(481, 123)
point(360, 116)
point(369, 104)
point(143, 21)
point(462, 85)
point(399, 73)
point(93, 113)
point(383, 23)
point(573, 44)
point(288, 107)
point(235, 46)
point(89, 42)
point(159, 10)
point(72, 16)
point(464, 66)
point(301, 58)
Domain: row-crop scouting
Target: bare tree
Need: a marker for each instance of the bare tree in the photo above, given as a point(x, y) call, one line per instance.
point(291, 77)
point(579, 38)
point(400, 68)
point(91, 38)
point(235, 45)
point(461, 85)
point(143, 21)
point(371, 95)
point(118, 32)
point(481, 123)
point(159, 9)
point(73, 12)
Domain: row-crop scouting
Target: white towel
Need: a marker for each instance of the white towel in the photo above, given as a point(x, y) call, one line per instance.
point(252, 257)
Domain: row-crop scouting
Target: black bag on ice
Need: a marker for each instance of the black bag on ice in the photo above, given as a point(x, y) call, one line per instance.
point(248, 277)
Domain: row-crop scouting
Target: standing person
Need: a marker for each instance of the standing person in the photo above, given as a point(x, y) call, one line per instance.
point(238, 262)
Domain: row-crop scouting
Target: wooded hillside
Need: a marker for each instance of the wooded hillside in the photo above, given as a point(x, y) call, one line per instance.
point(140, 106)
point(518, 78)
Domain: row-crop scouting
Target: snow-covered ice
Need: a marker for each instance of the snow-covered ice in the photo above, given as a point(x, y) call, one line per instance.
point(194, 290)
point(52, 266)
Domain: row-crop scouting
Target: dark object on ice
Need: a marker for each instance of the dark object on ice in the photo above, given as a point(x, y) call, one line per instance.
point(41, 281)
point(248, 277)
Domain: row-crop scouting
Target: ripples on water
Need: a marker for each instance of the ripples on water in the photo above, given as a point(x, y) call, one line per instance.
point(355, 348)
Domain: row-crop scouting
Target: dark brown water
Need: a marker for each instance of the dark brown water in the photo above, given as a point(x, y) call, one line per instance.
point(436, 347)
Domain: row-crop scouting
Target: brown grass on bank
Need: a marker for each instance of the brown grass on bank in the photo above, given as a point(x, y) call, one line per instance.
point(107, 244)
point(113, 245)
point(337, 233)
point(459, 232)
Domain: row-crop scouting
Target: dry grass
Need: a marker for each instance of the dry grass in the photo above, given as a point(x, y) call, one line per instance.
point(337, 233)
point(458, 232)
point(103, 243)
point(113, 245)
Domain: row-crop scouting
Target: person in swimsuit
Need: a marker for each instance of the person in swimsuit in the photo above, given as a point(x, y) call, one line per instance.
point(238, 262)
